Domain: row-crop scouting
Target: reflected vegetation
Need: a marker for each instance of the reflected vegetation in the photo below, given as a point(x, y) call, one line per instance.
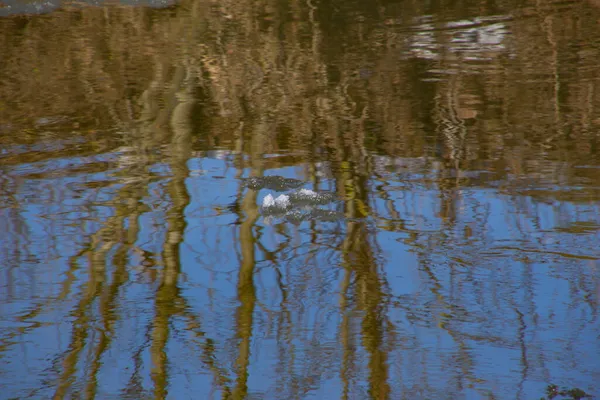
point(454, 253)
point(552, 391)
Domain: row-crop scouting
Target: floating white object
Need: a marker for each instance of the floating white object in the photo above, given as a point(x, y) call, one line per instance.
point(282, 201)
point(268, 201)
point(307, 193)
point(307, 197)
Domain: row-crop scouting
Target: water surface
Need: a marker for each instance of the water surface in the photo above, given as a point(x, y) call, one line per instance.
point(454, 253)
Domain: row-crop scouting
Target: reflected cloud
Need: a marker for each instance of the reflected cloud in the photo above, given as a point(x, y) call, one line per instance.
point(462, 42)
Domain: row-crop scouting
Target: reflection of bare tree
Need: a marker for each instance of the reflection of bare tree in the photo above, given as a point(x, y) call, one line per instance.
point(245, 287)
point(167, 304)
point(360, 263)
point(371, 299)
point(98, 255)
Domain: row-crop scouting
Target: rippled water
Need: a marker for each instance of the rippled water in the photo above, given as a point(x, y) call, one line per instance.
point(299, 199)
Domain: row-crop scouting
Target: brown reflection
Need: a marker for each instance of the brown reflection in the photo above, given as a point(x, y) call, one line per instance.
point(178, 105)
point(246, 291)
point(360, 261)
point(111, 236)
point(104, 67)
point(360, 264)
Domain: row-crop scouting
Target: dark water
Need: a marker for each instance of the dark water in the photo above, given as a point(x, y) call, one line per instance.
point(453, 251)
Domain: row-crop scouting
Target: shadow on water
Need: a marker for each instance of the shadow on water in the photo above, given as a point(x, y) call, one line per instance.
point(299, 199)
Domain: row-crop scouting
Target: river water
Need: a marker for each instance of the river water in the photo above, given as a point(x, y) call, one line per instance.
point(154, 238)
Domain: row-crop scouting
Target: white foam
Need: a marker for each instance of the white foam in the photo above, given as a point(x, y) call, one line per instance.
point(282, 201)
point(268, 201)
point(307, 193)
